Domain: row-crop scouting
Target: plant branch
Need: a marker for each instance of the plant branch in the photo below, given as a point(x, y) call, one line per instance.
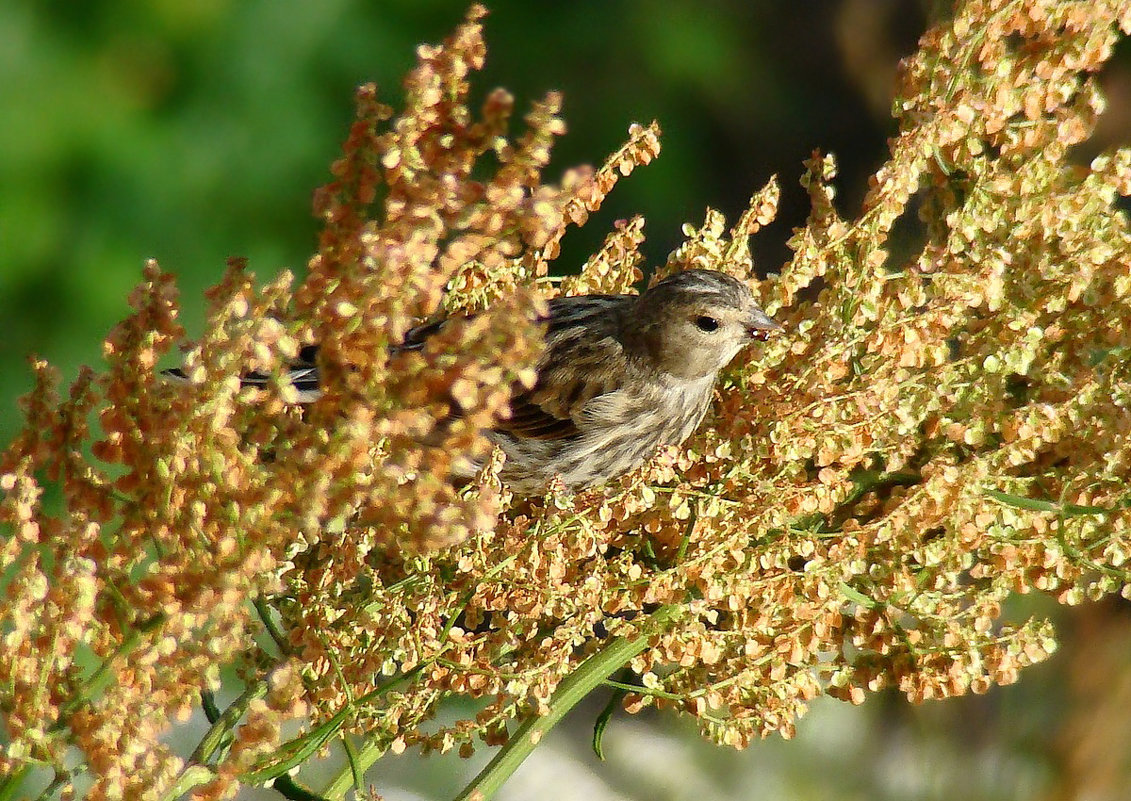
point(591, 674)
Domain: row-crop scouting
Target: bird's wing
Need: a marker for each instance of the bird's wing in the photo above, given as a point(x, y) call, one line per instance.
point(584, 359)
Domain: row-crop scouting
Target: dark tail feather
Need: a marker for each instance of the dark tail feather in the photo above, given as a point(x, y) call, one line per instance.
point(303, 373)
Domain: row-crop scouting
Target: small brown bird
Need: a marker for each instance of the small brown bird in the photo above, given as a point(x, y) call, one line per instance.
point(621, 376)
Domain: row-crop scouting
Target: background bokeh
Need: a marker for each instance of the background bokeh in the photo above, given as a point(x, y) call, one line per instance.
point(195, 131)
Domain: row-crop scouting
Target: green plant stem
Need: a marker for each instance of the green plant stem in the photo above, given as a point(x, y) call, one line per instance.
point(370, 751)
point(289, 788)
point(297, 751)
point(363, 759)
point(351, 758)
point(589, 675)
point(13, 782)
point(263, 609)
point(101, 677)
point(226, 722)
point(61, 778)
point(192, 776)
point(606, 714)
point(208, 704)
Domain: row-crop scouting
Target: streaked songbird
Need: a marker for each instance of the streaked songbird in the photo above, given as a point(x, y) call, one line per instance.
point(620, 377)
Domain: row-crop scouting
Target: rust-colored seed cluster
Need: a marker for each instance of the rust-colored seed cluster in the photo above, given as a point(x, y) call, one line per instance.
point(933, 435)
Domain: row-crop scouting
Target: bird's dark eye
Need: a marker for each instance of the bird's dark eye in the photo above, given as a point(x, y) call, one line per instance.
point(705, 323)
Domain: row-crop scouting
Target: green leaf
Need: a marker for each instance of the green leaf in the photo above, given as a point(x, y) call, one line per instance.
point(857, 597)
point(1036, 505)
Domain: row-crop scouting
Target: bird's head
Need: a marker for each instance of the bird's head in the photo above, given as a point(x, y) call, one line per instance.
point(693, 323)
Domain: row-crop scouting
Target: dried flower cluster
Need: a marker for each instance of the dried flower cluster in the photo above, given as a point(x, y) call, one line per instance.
point(937, 432)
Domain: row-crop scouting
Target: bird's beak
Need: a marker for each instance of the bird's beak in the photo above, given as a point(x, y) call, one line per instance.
point(760, 325)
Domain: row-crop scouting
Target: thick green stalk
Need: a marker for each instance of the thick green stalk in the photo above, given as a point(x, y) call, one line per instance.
point(588, 676)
